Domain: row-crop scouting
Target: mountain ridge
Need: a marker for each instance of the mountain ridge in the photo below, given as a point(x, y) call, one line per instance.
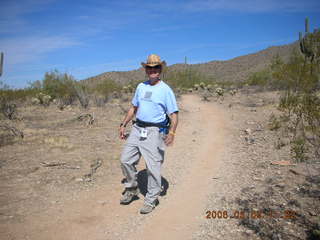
point(235, 69)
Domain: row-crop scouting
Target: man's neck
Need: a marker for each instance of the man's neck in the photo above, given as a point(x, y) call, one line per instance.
point(154, 81)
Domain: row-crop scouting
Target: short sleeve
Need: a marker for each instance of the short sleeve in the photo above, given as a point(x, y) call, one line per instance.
point(171, 102)
point(135, 99)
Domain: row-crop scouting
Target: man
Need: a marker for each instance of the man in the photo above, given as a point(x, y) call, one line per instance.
point(156, 110)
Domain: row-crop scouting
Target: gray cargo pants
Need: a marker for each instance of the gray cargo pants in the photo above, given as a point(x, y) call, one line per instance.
point(152, 149)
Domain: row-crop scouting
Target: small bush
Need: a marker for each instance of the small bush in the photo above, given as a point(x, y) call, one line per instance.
point(300, 101)
point(188, 79)
point(10, 98)
point(107, 88)
point(219, 91)
point(233, 92)
point(274, 123)
point(262, 78)
point(299, 150)
point(9, 110)
point(82, 94)
point(64, 87)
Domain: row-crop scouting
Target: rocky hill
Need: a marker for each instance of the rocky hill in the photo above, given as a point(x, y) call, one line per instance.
point(236, 69)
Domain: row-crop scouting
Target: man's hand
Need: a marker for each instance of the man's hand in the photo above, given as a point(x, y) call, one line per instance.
point(122, 134)
point(169, 139)
point(174, 123)
point(131, 112)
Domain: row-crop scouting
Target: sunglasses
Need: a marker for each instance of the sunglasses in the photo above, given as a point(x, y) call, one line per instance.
point(155, 67)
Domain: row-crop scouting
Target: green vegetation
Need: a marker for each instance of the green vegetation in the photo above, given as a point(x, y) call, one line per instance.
point(60, 86)
point(262, 78)
point(55, 85)
point(299, 149)
point(64, 87)
point(187, 79)
point(106, 87)
point(298, 79)
point(300, 100)
point(8, 94)
point(9, 98)
point(274, 123)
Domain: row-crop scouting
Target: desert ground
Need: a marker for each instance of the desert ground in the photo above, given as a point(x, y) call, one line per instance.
point(223, 178)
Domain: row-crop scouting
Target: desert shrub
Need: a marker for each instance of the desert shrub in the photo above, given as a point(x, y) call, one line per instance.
point(82, 94)
point(42, 98)
point(219, 91)
point(64, 87)
point(107, 88)
point(233, 92)
point(196, 87)
point(8, 109)
point(133, 84)
point(227, 84)
point(18, 95)
point(262, 78)
point(10, 98)
point(99, 101)
point(274, 123)
point(297, 75)
point(300, 100)
point(299, 150)
point(188, 79)
point(59, 86)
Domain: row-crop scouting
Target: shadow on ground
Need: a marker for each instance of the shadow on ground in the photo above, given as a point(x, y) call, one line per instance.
point(143, 183)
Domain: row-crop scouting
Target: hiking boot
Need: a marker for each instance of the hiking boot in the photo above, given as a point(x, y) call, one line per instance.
point(146, 208)
point(129, 195)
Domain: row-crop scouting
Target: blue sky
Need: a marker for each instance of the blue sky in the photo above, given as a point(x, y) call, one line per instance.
point(86, 38)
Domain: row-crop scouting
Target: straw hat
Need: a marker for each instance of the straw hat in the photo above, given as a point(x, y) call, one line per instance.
point(153, 60)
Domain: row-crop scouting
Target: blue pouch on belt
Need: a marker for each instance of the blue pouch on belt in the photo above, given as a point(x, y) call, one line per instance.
point(166, 126)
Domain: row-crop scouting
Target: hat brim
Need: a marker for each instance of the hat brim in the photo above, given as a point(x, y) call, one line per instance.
point(163, 64)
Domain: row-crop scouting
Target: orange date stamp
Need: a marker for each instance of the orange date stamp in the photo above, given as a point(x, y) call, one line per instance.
point(251, 214)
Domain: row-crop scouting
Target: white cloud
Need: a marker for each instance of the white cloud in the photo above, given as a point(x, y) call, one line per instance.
point(12, 13)
point(24, 50)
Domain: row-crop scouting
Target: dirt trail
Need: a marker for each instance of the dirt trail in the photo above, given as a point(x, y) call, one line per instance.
point(189, 168)
point(179, 218)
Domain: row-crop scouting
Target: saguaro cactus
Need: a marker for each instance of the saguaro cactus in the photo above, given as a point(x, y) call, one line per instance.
point(1, 63)
point(309, 44)
point(307, 29)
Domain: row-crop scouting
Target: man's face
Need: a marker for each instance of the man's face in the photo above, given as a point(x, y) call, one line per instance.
point(153, 72)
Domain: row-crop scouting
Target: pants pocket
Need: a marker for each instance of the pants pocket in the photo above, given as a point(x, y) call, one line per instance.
point(162, 145)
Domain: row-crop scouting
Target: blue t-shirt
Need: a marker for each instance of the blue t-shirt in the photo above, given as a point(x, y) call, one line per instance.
point(154, 101)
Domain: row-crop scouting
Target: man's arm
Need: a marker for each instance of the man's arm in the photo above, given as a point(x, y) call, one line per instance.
point(174, 122)
point(173, 127)
point(130, 114)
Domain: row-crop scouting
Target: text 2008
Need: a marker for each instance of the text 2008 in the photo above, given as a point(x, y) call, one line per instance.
point(254, 214)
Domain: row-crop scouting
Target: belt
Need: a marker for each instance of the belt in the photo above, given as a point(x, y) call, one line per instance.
point(141, 123)
point(164, 124)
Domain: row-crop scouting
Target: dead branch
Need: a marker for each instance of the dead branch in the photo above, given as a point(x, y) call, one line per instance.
point(60, 165)
point(94, 166)
point(13, 130)
point(53, 164)
point(88, 116)
point(69, 167)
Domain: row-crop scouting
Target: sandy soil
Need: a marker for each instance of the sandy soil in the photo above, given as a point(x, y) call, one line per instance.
point(214, 165)
point(96, 213)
